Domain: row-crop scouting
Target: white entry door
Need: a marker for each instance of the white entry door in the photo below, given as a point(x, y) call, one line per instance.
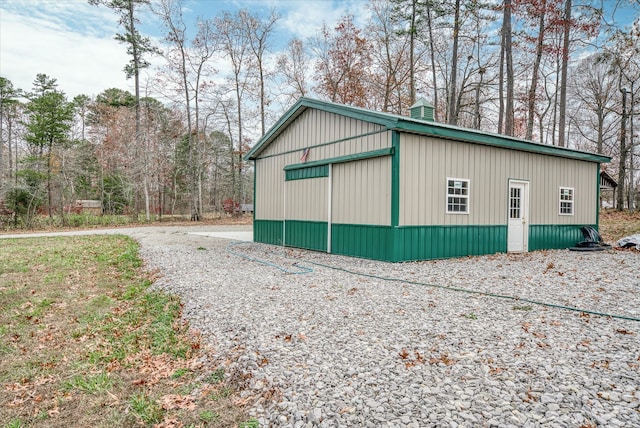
point(518, 226)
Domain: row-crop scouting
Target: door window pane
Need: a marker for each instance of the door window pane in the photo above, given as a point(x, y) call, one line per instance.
point(515, 201)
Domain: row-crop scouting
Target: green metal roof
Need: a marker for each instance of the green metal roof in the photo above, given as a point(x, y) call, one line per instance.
point(415, 126)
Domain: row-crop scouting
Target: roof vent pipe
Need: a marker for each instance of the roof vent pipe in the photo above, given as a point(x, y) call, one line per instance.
point(422, 110)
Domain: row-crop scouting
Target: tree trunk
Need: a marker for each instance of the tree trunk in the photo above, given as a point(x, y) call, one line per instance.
point(622, 164)
point(509, 114)
point(2, 151)
point(555, 109)
point(533, 90)
point(632, 185)
point(433, 62)
point(49, 192)
point(477, 115)
point(601, 117)
point(9, 149)
point(563, 82)
point(239, 112)
point(501, 73)
point(145, 189)
point(453, 119)
point(412, 64)
point(506, 118)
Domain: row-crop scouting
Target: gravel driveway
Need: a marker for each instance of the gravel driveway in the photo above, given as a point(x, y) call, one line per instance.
point(342, 347)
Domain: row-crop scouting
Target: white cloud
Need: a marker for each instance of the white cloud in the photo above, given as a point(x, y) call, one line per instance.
point(71, 41)
point(305, 18)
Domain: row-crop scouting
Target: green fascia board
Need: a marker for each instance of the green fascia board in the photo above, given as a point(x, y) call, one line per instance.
point(416, 126)
point(341, 159)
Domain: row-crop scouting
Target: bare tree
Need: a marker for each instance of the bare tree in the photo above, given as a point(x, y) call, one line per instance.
point(234, 42)
point(188, 62)
point(293, 63)
point(565, 64)
point(392, 72)
point(137, 47)
point(8, 97)
point(452, 118)
point(258, 34)
point(595, 87)
point(506, 108)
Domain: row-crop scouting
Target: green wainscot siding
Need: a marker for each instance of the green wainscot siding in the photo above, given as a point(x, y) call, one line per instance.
point(439, 242)
point(408, 243)
point(268, 231)
point(311, 235)
point(366, 241)
point(555, 236)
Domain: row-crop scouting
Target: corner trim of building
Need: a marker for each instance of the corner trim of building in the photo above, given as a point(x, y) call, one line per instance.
point(598, 202)
point(395, 191)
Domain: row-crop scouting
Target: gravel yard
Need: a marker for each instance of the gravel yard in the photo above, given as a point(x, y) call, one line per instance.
point(342, 347)
point(334, 348)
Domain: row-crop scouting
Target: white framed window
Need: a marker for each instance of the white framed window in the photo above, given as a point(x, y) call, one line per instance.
point(566, 201)
point(457, 196)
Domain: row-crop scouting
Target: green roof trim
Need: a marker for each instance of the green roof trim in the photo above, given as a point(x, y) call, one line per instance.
point(341, 159)
point(415, 126)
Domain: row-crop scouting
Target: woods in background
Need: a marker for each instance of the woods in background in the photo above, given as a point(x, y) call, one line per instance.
point(552, 71)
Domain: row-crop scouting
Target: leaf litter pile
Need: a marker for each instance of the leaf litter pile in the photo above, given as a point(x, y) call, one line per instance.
point(618, 224)
point(84, 343)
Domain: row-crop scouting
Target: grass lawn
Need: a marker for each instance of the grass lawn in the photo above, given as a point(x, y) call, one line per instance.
point(83, 343)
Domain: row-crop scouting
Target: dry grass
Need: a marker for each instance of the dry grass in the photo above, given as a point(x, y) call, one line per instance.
point(83, 343)
point(90, 221)
point(618, 224)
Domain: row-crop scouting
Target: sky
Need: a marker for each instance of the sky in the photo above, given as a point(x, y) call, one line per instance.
point(73, 41)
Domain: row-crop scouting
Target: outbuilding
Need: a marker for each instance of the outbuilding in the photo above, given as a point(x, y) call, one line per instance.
point(351, 181)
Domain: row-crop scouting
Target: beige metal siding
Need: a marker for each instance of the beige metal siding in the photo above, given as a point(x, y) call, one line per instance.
point(269, 194)
point(315, 127)
point(362, 192)
point(307, 199)
point(426, 162)
point(312, 127)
